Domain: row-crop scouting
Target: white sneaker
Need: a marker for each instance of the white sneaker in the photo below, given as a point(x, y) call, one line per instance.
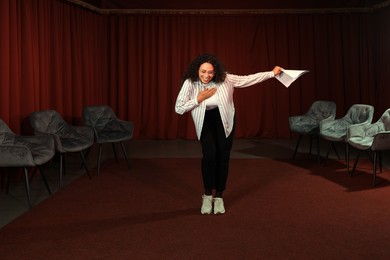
point(207, 205)
point(219, 208)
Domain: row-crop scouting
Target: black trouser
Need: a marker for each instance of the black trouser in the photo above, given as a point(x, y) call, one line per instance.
point(216, 151)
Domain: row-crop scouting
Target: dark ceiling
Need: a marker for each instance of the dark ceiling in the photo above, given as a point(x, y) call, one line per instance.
point(233, 4)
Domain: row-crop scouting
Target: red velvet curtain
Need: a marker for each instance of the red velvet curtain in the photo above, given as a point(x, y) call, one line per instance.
point(51, 58)
point(57, 55)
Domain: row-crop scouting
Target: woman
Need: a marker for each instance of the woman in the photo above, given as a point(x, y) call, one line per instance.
point(207, 91)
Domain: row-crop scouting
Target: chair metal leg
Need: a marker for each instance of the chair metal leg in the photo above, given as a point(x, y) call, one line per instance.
point(85, 163)
point(355, 163)
point(331, 146)
point(318, 149)
point(296, 146)
point(335, 151)
point(370, 156)
point(27, 183)
point(311, 144)
point(86, 155)
point(114, 150)
point(87, 152)
point(33, 173)
point(125, 154)
point(328, 152)
point(44, 178)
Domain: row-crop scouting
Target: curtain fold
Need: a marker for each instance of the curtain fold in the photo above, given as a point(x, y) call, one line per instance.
point(57, 55)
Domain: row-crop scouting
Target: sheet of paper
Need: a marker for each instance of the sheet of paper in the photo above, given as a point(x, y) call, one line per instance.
point(286, 77)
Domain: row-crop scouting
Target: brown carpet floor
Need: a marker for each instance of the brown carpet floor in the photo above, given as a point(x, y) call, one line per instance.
point(274, 210)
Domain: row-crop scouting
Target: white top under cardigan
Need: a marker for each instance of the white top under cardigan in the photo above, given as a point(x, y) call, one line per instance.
point(187, 98)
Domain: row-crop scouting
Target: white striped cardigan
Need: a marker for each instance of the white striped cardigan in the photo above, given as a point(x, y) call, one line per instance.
point(187, 98)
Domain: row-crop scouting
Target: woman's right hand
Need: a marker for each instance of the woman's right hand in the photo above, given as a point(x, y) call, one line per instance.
point(277, 70)
point(205, 94)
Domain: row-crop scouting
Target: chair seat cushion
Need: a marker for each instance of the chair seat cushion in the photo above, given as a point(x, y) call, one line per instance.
point(336, 136)
point(337, 132)
point(361, 143)
point(38, 148)
point(112, 136)
point(70, 144)
point(74, 138)
point(304, 124)
point(113, 131)
point(41, 148)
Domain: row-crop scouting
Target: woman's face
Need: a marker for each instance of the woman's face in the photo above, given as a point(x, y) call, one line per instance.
point(206, 72)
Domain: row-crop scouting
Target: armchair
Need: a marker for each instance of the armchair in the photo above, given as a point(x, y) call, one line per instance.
point(67, 138)
point(335, 130)
point(108, 128)
point(25, 151)
point(308, 123)
point(374, 137)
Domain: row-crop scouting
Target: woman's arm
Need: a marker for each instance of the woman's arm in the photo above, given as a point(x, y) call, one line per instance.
point(187, 98)
point(252, 79)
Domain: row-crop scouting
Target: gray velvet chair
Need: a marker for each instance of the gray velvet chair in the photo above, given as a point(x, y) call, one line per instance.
point(26, 152)
point(108, 128)
point(308, 123)
point(371, 137)
point(68, 138)
point(335, 130)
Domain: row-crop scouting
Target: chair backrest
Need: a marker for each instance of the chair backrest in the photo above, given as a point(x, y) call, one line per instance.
point(322, 109)
point(383, 124)
point(98, 117)
point(359, 113)
point(5, 132)
point(4, 128)
point(381, 140)
point(385, 119)
point(370, 130)
point(49, 121)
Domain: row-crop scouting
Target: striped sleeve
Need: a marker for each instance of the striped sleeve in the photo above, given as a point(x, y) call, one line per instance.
point(186, 100)
point(249, 80)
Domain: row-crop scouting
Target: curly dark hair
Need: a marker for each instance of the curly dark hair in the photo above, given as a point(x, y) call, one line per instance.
point(192, 70)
